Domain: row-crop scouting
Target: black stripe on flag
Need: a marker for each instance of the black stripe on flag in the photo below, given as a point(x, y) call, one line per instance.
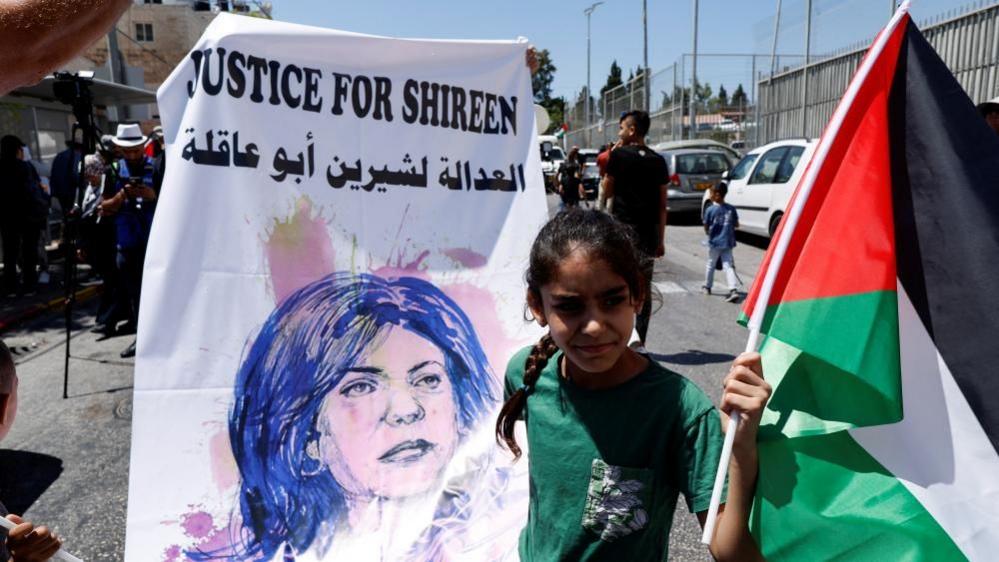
point(945, 175)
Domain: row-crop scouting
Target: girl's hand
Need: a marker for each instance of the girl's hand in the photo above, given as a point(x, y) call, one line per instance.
point(747, 392)
point(28, 543)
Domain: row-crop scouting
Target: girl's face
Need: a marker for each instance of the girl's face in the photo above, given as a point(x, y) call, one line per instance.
point(390, 427)
point(589, 311)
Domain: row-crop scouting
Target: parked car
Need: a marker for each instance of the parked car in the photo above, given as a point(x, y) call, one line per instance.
point(591, 179)
point(588, 155)
point(709, 144)
point(551, 158)
point(761, 184)
point(692, 172)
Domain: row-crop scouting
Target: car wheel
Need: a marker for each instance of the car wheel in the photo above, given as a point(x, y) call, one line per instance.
point(774, 223)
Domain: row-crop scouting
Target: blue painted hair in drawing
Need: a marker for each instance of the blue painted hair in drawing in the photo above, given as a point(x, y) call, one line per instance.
point(288, 498)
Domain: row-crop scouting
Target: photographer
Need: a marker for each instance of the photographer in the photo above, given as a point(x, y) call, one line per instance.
point(132, 202)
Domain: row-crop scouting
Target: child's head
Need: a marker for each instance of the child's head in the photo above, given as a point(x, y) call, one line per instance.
point(585, 284)
point(8, 390)
point(590, 236)
point(719, 192)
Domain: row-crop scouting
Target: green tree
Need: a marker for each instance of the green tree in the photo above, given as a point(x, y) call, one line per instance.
point(613, 79)
point(556, 111)
point(739, 97)
point(255, 9)
point(722, 96)
point(702, 92)
point(541, 82)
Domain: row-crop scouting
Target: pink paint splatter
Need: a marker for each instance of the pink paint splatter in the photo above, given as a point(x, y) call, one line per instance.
point(171, 554)
point(197, 525)
point(299, 250)
point(412, 268)
point(225, 473)
point(480, 306)
point(467, 258)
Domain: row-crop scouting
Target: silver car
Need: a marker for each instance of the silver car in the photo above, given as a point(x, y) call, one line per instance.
point(692, 172)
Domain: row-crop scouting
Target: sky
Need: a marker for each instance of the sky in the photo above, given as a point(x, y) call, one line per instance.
point(725, 26)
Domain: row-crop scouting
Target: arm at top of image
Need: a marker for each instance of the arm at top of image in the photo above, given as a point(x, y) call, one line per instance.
point(37, 36)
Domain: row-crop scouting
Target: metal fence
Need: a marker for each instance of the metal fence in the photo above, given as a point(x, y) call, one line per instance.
point(968, 44)
point(668, 91)
point(966, 38)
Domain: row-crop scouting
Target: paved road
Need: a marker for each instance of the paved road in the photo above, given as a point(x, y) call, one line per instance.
point(66, 461)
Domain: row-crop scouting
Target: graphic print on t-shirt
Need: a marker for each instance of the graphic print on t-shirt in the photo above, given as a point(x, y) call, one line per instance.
point(614, 506)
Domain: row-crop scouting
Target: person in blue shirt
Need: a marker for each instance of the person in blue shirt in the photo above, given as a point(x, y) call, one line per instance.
point(720, 222)
point(132, 202)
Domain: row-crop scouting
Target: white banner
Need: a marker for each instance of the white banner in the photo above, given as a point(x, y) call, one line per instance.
point(333, 286)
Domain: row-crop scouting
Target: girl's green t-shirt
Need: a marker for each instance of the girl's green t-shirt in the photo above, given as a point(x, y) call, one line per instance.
point(606, 466)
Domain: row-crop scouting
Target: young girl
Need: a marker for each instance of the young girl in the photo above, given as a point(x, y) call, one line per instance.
point(613, 436)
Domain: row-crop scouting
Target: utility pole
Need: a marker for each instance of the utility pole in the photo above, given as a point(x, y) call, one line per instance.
point(804, 69)
point(693, 85)
point(773, 67)
point(586, 101)
point(115, 70)
point(645, 54)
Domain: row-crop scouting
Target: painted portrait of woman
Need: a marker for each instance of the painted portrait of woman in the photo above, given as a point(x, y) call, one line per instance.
point(349, 405)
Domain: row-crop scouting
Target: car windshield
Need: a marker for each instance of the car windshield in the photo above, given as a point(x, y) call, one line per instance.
point(591, 171)
point(743, 167)
point(702, 163)
point(553, 154)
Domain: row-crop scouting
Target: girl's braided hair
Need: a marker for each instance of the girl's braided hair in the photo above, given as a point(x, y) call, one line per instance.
point(602, 238)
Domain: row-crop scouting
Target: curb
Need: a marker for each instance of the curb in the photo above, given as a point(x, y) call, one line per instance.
point(43, 307)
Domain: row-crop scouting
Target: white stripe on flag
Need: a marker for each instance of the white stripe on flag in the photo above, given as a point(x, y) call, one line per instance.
point(939, 450)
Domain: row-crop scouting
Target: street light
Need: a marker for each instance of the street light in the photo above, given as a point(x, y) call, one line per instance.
point(586, 101)
point(693, 85)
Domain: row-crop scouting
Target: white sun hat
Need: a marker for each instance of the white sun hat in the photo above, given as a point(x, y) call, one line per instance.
point(129, 135)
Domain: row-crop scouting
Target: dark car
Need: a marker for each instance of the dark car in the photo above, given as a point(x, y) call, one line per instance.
point(591, 180)
point(692, 171)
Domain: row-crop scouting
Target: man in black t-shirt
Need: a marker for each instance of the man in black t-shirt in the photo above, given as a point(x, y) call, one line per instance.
point(636, 180)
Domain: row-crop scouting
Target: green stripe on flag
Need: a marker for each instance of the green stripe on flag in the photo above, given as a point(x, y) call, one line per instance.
point(833, 364)
point(824, 497)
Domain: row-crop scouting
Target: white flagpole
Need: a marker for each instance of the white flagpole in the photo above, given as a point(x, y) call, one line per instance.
point(790, 223)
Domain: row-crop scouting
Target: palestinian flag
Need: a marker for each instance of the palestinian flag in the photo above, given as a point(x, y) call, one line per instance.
point(881, 323)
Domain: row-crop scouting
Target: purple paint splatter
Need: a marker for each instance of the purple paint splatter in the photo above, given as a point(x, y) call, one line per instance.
point(171, 554)
point(197, 525)
point(467, 258)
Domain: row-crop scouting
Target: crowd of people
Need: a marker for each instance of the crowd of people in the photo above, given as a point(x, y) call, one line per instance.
point(106, 215)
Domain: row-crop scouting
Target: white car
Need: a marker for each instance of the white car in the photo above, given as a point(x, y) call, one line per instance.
point(551, 158)
point(761, 184)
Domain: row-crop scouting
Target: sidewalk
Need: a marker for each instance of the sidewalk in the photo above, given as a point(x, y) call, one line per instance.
point(50, 297)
